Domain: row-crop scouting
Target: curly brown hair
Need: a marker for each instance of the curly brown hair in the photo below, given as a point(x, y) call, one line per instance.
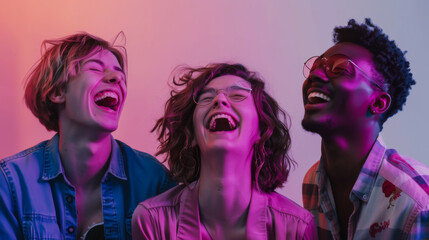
point(271, 162)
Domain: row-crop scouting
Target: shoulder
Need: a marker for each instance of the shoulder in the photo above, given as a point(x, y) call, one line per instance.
point(20, 175)
point(169, 198)
point(410, 175)
point(27, 160)
point(311, 175)
point(290, 218)
point(310, 189)
point(284, 206)
point(139, 159)
point(157, 217)
point(129, 151)
point(35, 151)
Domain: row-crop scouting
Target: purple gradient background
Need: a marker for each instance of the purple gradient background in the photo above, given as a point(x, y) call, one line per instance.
point(271, 37)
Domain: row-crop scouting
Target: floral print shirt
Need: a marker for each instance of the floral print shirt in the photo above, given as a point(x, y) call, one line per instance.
point(390, 198)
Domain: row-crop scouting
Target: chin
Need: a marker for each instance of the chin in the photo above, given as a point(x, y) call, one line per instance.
point(109, 127)
point(314, 127)
point(221, 146)
point(307, 126)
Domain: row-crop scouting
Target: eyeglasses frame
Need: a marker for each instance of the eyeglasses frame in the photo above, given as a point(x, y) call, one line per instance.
point(225, 91)
point(372, 81)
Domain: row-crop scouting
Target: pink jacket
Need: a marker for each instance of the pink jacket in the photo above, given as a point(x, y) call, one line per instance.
point(175, 215)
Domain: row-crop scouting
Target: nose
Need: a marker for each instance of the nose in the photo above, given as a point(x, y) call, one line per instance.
point(318, 74)
point(220, 99)
point(113, 77)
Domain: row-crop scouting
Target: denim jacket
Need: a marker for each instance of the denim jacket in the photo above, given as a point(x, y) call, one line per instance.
point(38, 202)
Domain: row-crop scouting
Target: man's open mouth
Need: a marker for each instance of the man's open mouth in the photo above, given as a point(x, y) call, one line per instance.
point(221, 122)
point(318, 97)
point(108, 99)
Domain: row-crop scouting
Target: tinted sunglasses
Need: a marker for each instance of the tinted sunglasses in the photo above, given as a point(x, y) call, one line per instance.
point(334, 66)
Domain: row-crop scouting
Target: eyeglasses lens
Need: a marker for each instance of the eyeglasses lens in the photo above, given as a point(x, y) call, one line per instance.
point(336, 65)
point(235, 94)
point(309, 66)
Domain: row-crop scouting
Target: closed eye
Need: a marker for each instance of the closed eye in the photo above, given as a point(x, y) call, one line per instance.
point(207, 97)
point(237, 96)
point(94, 65)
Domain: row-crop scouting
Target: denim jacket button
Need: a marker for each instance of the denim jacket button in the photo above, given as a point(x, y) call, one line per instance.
point(69, 198)
point(70, 229)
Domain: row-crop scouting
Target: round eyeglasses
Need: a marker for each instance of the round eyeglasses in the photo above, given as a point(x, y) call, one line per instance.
point(334, 66)
point(233, 93)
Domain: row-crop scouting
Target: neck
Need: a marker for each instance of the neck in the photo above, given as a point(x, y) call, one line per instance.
point(344, 155)
point(85, 157)
point(225, 189)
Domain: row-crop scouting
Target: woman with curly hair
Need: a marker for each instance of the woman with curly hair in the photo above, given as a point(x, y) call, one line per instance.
point(225, 139)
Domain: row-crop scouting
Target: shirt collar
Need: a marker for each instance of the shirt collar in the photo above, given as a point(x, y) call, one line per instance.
point(117, 162)
point(52, 166)
point(189, 217)
point(368, 174)
point(257, 219)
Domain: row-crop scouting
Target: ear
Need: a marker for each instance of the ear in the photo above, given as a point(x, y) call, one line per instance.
point(380, 103)
point(57, 96)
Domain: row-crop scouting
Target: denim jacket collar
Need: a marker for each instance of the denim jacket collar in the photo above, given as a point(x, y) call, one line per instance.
point(52, 166)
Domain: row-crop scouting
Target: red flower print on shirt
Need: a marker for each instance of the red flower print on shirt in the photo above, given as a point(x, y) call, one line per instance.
point(378, 227)
point(388, 188)
point(391, 191)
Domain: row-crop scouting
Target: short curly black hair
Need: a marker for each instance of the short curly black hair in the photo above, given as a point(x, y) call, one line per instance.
point(389, 60)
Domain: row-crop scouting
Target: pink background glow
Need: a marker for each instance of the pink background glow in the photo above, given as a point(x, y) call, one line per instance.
point(271, 37)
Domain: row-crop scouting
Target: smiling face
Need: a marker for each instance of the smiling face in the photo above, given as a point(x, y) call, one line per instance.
point(225, 125)
point(95, 96)
point(341, 103)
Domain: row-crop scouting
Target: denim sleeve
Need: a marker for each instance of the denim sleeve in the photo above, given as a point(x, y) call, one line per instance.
point(10, 227)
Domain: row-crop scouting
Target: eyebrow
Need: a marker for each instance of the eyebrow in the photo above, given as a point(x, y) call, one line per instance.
point(204, 90)
point(101, 63)
point(210, 89)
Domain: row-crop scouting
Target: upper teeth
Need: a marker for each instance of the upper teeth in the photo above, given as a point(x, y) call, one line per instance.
point(319, 95)
point(231, 122)
point(105, 94)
